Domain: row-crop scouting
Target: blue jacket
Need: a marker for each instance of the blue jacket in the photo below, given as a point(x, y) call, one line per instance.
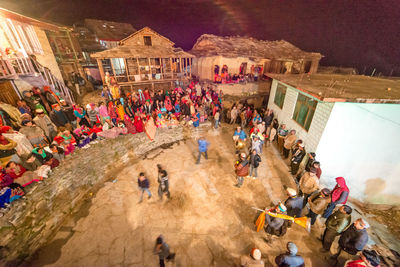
point(143, 184)
point(288, 260)
point(203, 145)
point(242, 135)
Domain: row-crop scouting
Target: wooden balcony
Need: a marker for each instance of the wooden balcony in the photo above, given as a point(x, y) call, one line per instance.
point(13, 67)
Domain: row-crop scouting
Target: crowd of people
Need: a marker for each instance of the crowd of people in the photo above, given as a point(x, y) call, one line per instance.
point(43, 129)
point(38, 133)
point(309, 198)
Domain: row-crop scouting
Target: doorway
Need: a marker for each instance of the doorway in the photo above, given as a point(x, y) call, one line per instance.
point(8, 94)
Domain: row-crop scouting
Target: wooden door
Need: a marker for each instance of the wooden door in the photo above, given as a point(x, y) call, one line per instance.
point(7, 93)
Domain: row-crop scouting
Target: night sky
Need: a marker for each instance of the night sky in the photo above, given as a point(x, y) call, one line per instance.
point(353, 33)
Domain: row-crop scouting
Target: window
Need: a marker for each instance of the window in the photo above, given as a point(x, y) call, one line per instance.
point(147, 40)
point(280, 95)
point(119, 66)
point(304, 111)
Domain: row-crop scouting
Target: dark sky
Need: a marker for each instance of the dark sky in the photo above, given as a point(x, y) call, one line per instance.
point(353, 33)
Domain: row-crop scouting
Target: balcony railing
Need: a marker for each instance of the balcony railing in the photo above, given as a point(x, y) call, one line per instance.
point(12, 68)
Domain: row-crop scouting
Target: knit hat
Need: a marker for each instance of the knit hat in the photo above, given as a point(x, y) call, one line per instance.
point(39, 111)
point(292, 248)
point(54, 106)
point(292, 192)
point(372, 257)
point(282, 207)
point(256, 254)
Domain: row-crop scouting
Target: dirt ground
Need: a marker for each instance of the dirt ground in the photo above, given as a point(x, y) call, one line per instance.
point(207, 222)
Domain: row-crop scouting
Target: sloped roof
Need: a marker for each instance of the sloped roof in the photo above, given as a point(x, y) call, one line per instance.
point(109, 30)
point(344, 88)
point(32, 21)
point(147, 29)
point(141, 51)
point(236, 46)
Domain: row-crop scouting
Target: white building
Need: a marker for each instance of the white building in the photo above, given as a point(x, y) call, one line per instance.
point(351, 122)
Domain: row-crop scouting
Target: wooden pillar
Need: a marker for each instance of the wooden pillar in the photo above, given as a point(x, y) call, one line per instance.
point(113, 69)
point(172, 70)
point(101, 70)
point(137, 61)
point(161, 69)
point(191, 64)
point(126, 68)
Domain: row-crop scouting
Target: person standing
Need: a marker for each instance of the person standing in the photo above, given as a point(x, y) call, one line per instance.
point(294, 203)
point(255, 160)
point(339, 196)
point(144, 186)
point(290, 258)
point(241, 169)
point(297, 157)
point(289, 141)
point(161, 249)
point(203, 147)
point(318, 202)
point(335, 225)
point(252, 260)
point(163, 181)
point(234, 114)
point(354, 238)
point(217, 118)
point(308, 184)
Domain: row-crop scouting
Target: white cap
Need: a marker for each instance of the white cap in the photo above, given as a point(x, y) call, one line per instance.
point(292, 192)
point(282, 207)
point(256, 253)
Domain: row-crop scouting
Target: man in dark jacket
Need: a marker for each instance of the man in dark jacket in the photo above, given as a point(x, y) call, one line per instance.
point(144, 185)
point(255, 160)
point(335, 225)
point(294, 204)
point(290, 258)
point(69, 112)
point(354, 238)
point(298, 155)
point(58, 117)
point(163, 181)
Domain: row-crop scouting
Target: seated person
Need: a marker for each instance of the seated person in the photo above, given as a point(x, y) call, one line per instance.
point(45, 158)
point(20, 174)
point(57, 151)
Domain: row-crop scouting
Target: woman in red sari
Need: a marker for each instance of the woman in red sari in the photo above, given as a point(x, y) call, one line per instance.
point(138, 123)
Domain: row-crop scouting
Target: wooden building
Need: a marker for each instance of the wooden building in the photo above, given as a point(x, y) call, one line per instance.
point(242, 55)
point(145, 58)
point(26, 57)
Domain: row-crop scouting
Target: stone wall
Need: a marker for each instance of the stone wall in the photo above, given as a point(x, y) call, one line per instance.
point(311, 137)
point(31, 223)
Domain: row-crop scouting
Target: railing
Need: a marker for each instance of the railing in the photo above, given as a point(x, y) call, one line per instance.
point(11, 68)
point(53, 81)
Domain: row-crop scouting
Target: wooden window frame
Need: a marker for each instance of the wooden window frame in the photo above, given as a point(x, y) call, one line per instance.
point(311, 104)
point(282, 91)
point(149, 38)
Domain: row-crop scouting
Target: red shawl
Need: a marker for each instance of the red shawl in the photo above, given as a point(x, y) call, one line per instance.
point(138, 124)
point(339, 188)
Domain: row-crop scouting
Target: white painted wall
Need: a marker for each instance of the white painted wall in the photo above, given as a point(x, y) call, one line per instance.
point(361, 142)
point(284, 115)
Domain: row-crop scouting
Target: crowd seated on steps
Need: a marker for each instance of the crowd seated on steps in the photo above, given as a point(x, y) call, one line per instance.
point(42, 130)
